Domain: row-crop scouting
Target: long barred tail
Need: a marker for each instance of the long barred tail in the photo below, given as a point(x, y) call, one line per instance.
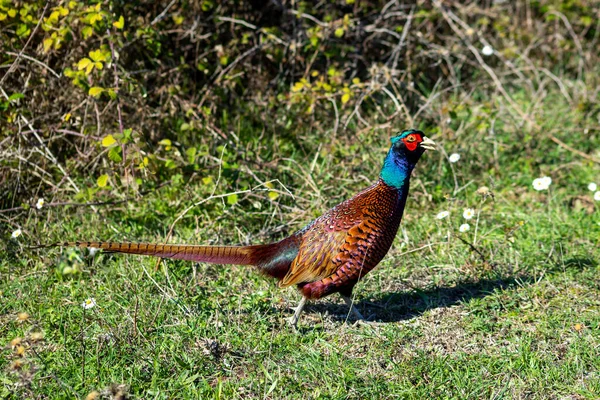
point(238, 255)
point(272, 259)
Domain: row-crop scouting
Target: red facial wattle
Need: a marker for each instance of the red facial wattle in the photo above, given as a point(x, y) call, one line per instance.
point(411, 143)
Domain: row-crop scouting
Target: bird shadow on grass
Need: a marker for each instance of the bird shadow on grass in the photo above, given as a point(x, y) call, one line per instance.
point(400, 306)
point(405, 305)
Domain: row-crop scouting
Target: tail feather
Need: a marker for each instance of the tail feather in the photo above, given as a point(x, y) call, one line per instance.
point(272, 259)
point(238, 255)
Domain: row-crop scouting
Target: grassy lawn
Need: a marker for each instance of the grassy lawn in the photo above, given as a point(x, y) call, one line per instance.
point(205, 122)
point(510, 311)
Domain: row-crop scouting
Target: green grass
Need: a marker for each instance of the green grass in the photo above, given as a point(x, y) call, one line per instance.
point(521, 320)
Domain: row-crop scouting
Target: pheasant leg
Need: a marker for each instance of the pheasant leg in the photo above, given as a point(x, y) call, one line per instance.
point(354, 310)
point(293, 320)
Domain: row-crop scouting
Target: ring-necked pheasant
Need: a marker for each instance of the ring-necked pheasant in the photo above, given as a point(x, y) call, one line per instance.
point(331, 253)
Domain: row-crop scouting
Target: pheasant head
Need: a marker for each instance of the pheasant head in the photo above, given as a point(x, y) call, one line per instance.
point(405, 151)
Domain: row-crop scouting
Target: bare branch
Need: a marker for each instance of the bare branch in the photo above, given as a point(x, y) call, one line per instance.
point(25, 56)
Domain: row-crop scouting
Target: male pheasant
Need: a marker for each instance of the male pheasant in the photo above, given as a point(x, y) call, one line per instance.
point(330, 254)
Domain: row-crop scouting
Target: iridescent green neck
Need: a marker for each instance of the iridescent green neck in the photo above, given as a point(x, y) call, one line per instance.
point(396, 170)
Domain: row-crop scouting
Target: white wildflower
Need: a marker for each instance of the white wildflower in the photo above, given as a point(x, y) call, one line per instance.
point(40, 203)
point(597, 196)
point(464, 227)
point(547, 180)
point(93, 251)
point(89, 303)
point(16, 233)
point(592, 187)
point(468, 213)
point(442, 214)
point(538, 184)
point(454, 157)
point(487, 50)
point(542, 183)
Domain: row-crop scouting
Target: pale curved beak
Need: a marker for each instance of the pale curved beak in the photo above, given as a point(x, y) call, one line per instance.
point(428, 143)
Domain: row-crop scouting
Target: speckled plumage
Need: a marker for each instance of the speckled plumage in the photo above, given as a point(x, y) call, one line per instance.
point(347, 242)
point(333, 252)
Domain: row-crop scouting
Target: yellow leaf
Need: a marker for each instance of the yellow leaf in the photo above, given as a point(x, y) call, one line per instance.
point(166, 143)
point(63, 11)
point(339, 32)
point(144, 163)
point(97, 55)
point(2, 16)
point(120, 23)
point(269, 185)
point(89, 68)
point(208, 180)
point(12, 13)
point(232, 199)
point(95, 91)
point(345, 98)
point(178, 19)
point(95, 17)
point(297, 87)
point(108, 141)
point(83, 63)
point(98, 65)
point(273, 195)
point(72, 4)
point(356, 81)
point(48, 44)
point(102, 180)
point(53, 17)
point(67, 117)
point(87, 31)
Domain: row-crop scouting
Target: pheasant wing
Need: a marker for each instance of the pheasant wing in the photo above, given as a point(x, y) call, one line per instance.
point(325, 246)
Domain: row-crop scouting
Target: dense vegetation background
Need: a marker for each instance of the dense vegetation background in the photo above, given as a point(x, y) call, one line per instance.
point(203, 122)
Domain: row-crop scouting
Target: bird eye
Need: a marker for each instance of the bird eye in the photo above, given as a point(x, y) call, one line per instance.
point(411, 138)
